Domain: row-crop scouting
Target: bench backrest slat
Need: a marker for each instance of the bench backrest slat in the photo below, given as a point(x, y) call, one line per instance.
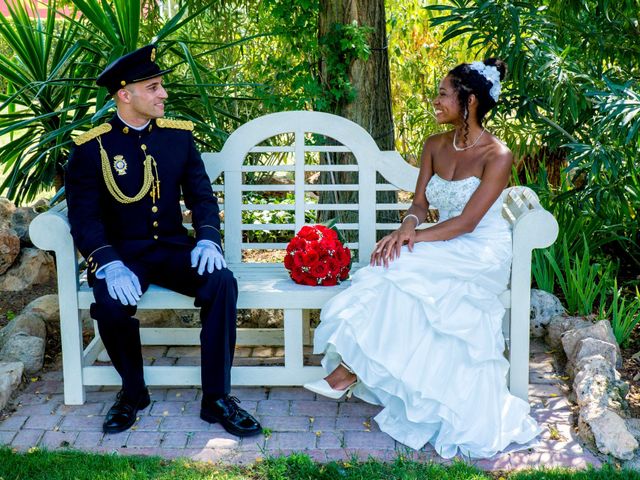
point(287, 145)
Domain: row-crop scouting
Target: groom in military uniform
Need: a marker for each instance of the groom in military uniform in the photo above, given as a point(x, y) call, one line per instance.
point(124, 182)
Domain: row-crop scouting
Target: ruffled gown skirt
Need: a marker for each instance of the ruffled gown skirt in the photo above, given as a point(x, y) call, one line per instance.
point(424, 337)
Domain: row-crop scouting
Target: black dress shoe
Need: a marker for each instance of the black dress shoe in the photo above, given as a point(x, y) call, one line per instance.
point(234, 419)
point(124, 412)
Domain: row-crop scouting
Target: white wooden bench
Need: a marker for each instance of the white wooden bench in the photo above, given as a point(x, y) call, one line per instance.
point(286, 145)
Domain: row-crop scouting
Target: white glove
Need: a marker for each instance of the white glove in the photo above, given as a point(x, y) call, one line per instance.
point(207, 254)
point(122, 283)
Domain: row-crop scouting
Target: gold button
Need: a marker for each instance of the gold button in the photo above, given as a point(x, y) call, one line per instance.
point(143, 146)
point(155, 237)
point(154, 209)
point(123, 83)
point(90, 259)
point(155, 224)
point(125, 130)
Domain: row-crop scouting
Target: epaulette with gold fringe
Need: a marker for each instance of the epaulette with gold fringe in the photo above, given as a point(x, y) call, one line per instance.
point(93, 133)
point(171, 123)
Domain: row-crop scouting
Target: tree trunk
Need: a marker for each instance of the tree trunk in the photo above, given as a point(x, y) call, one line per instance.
point(371, 107)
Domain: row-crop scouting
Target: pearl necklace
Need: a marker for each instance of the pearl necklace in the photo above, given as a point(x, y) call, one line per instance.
point(462, 149)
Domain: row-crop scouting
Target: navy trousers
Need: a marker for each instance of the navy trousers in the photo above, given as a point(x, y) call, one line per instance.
point(215, 293)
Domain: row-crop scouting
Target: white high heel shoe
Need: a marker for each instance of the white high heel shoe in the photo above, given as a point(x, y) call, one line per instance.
point(322, 387)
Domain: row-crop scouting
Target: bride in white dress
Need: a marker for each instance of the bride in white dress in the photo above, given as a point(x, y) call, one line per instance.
point(419, 331)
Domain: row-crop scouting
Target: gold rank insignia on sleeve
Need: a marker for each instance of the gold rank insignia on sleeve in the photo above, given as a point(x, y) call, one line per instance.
point(93, 133)
point(171, 123)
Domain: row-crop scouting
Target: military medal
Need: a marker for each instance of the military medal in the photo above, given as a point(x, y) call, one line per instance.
point(120, 165)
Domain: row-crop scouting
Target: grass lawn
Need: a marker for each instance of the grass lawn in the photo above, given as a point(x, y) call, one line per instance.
point(70, 465)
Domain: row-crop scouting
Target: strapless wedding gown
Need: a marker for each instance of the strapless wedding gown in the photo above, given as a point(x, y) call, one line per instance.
point(424, 337)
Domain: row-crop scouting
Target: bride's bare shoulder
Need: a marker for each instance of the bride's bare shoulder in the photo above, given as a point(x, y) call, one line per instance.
point(437, 141)
point(498, 154)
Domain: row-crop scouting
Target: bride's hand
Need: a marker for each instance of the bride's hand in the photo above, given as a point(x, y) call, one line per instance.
point(389, 247)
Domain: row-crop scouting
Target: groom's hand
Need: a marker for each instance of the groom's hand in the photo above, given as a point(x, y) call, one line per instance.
point(207, 254)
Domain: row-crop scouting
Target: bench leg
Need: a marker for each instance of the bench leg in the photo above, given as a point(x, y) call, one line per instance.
point(72, 355)
point(293, 353)
point(519, 353)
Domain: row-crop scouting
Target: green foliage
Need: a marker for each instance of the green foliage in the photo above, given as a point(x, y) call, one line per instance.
point(276, 217)
point(418, 60)
point(342, 45)
point(37, 464)
point(573, 88)
point(40, 106)
point(572, 102)
point(623, 313)
point(581, 282)
point(49, 91)
point(288, 67)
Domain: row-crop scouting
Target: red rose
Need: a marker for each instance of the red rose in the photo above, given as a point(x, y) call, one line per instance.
point(298, 259)
point(311, 257)
point(319, 270)
point(308, 233)
point(334, 266)
point(329, 243)
point(303, 278)
point(296, 243)
point(310, 280)
point(344, 273)
point(330, 281)
point(316, 256)
point(330, 233)
point(344, 256)
point(315, 248)
point(288, 261)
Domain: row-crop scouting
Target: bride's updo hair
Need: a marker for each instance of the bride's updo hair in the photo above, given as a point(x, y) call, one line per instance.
point(467, 81)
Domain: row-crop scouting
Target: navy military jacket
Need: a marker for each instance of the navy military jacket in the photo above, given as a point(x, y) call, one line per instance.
point(104, 229)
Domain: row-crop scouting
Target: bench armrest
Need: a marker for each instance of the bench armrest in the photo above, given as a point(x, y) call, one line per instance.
point(51, 231)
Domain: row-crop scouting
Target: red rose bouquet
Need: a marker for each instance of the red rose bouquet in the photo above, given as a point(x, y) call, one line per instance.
point(316, 256)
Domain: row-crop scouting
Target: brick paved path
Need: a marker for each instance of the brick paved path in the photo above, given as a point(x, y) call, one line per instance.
point(294, 418)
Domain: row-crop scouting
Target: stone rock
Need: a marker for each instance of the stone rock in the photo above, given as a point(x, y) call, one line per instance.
point(608, 431)
point(544, 306)
point(154, 318)
point(26, 349)
point(47, 308)
point(25, 324)
point(633, 464)
point(32, 267)
point(260, 318)
point(589, 347)
point(157, 318)
point(9, 248)
point(633, 425)
point(598, 382)
point(187, 318)
point(592, 380)
point(600, 330)
point(10, 377)
point(560, 324)
point(6, 211)
point(20, 221)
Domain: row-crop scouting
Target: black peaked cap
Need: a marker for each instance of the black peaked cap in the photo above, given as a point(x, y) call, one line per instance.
point(133, 67)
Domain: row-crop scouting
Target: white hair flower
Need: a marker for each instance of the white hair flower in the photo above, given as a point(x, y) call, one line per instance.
point(492, 74)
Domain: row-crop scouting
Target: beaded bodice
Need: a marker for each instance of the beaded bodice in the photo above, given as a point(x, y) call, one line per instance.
point(450, 196)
